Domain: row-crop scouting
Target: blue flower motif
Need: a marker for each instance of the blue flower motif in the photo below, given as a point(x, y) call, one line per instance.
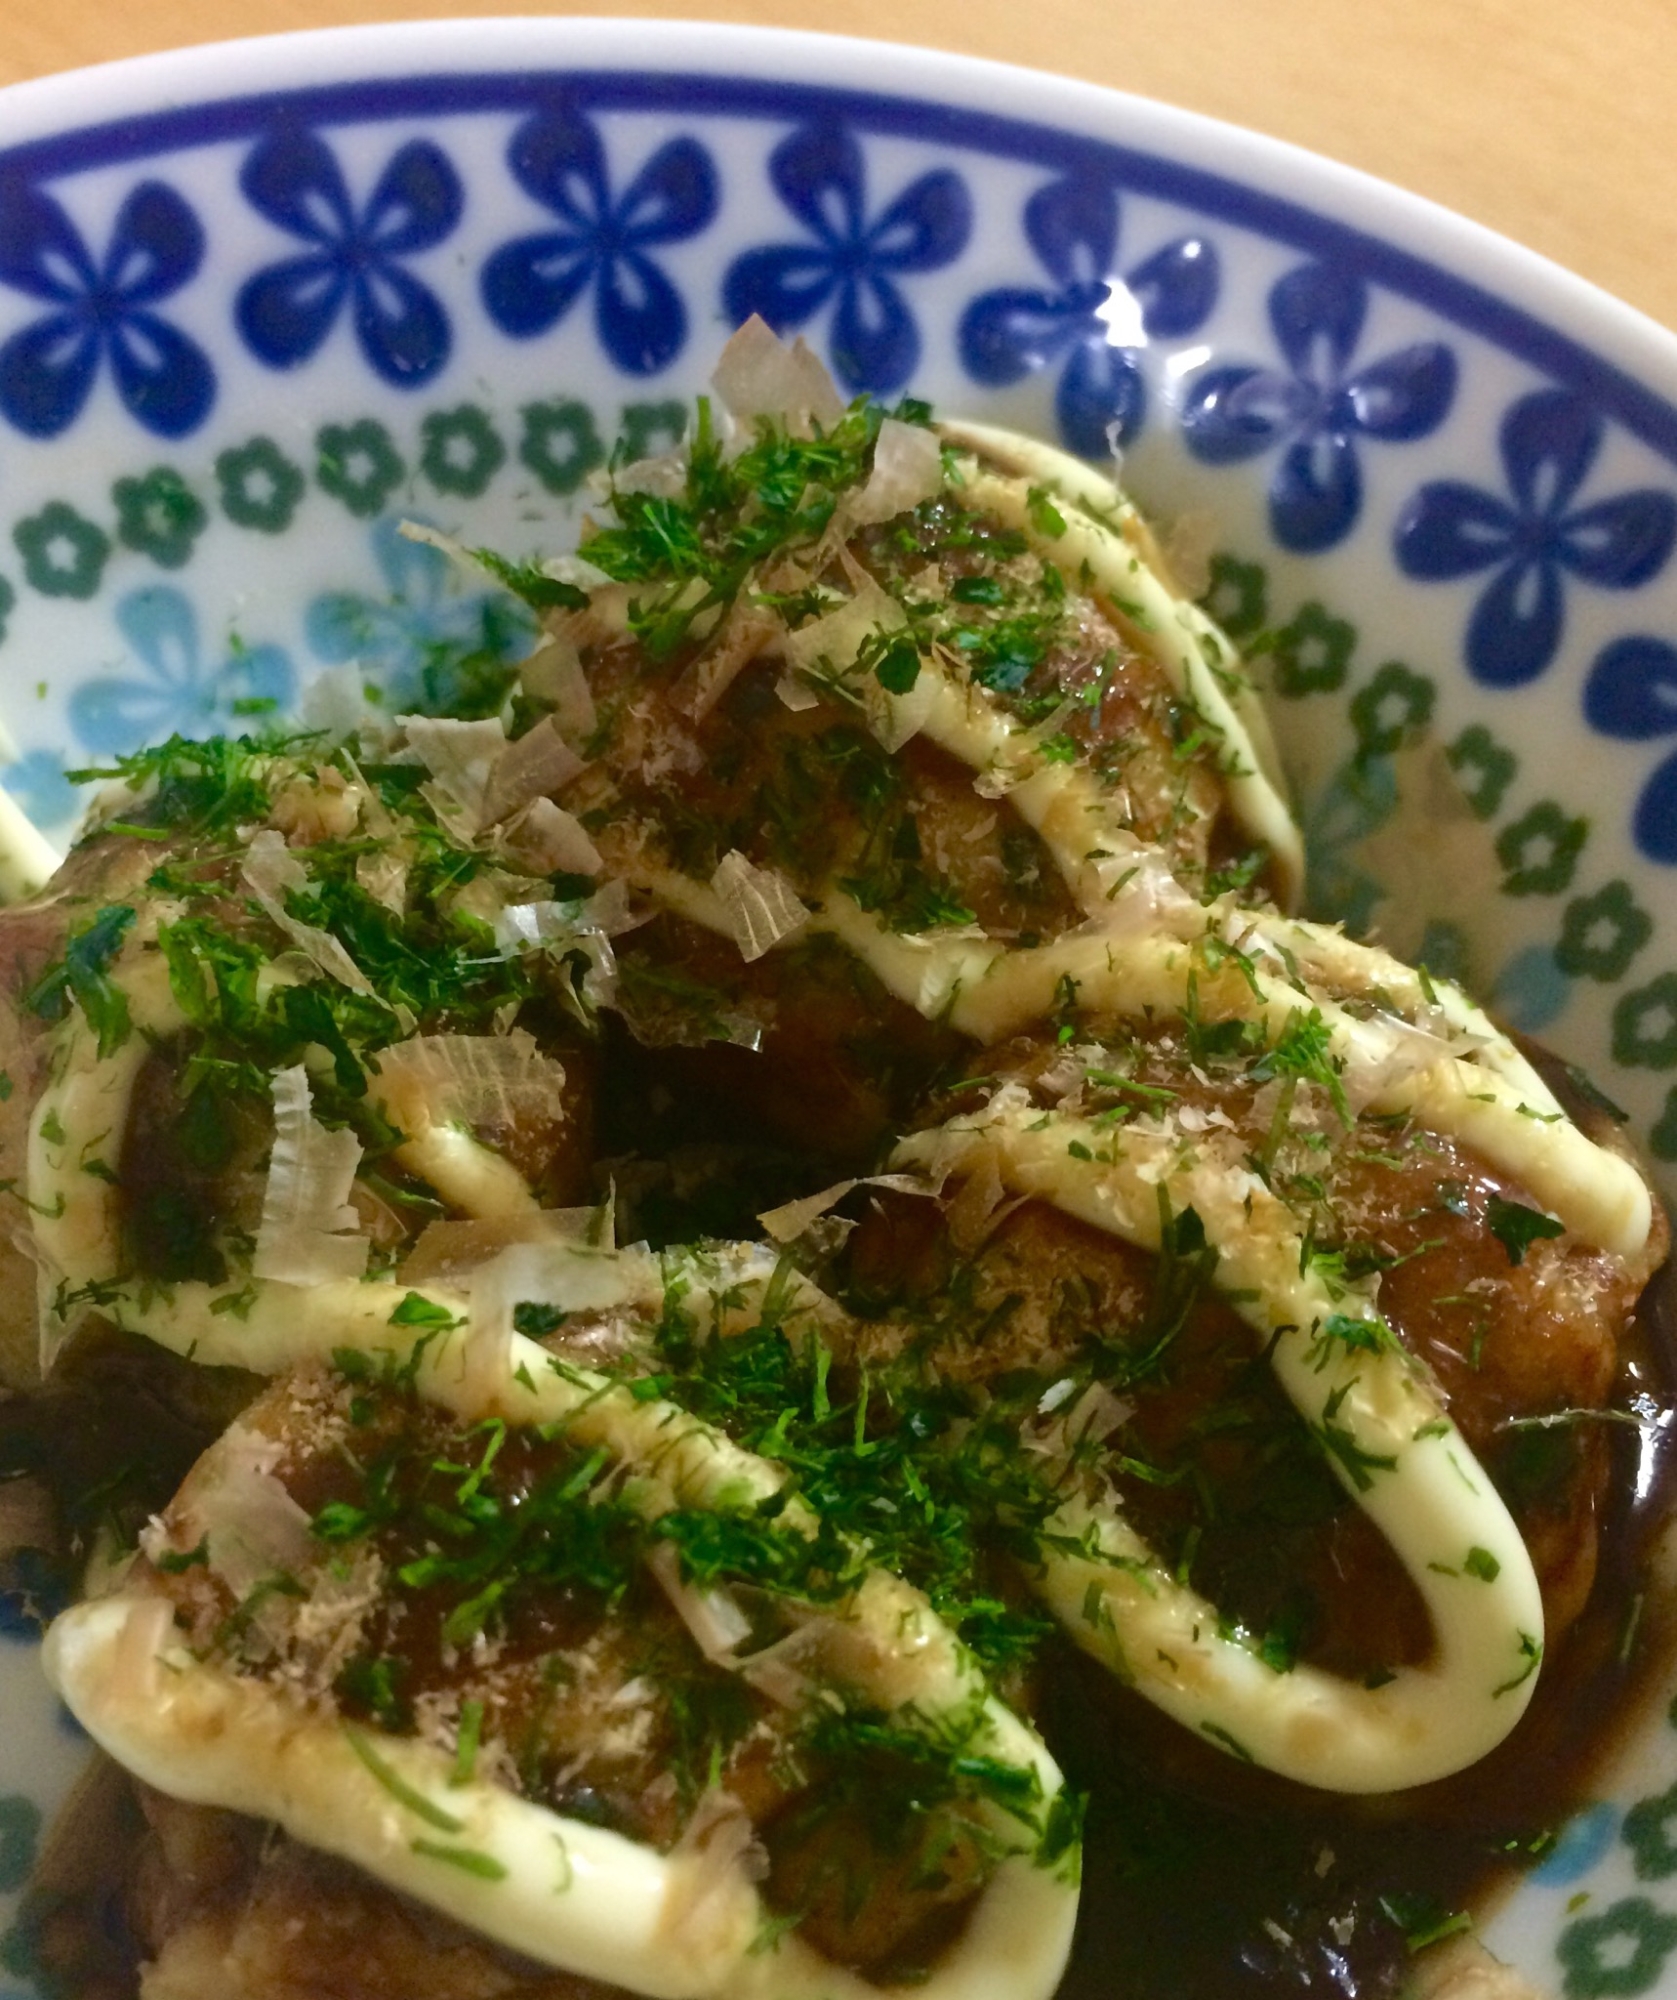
point(820, 175)
point(1631, 693)
point(1582, 1844)
point(1095, 322)
point(101, 308)
point(1359, 799)
point(419, 625)
point(39, 785)
point(1320, 408)
point(178, 693)
point(1534, 540)
point(1531, 990)
point(530, 284)
point(286, 310)
point(34, 1588)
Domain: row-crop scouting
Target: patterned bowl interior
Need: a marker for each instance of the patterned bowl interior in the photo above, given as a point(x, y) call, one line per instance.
point(259, 303)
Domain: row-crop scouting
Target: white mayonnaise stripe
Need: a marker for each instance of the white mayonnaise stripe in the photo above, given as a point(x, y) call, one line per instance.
point(28, 861)
point(1154, 616)
point(898, 1651)
point(1164, 1640)
point(1107, 503)
point(565, 1893)
point(1102, 861)
point(568, 1894)
point(1131, 955)
point(989, 993)
point(78, 1125)
point(679, 1460)
point(1386, 1436)
point(1599, 1195)
point(469, 1176)
point(1325, 955)
point(76, 1134)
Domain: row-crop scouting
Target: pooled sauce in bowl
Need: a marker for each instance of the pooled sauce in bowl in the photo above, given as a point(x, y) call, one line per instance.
point(1227, 1885)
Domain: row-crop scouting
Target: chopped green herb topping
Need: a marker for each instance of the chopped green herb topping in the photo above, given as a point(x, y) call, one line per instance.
point(82, 975)
point(1517, 1227)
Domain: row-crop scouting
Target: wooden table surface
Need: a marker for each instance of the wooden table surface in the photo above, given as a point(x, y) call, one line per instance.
point(1552, 122)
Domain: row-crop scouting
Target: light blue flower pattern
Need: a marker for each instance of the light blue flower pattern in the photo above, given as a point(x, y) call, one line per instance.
point(38, 783)
point(176, 691)
point(1356, 802)
point(421, 618)
point(1583, 1841)
point(1531, 991)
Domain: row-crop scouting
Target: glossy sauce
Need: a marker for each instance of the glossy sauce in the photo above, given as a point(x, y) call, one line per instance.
point(1203, 1878)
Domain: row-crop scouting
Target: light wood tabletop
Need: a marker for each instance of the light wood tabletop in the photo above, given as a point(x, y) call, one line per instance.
point(1554, 123)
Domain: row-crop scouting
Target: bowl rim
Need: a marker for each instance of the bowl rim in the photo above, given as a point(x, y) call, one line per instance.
point(1564, 325)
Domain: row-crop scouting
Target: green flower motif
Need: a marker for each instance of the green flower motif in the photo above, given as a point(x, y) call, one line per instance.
point(560, 445)
point(1485, 769)
point(650, 428)
point(1623, 1951)
point(460, 450)
point(159, 516)
point(1601, 934)
point(1645, 1025)
point(260, 487)
point(1238, 597)
point(1663, 1138)
point(1650, 1832)
point(1540, 850)
point(64, 554)
point(359, 465)
point(1312, 652)
point(20, 1831)
point(8, 604)
point(1392, 710)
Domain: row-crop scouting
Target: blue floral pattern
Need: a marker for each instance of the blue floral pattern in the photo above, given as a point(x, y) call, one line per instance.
point(1631, 693)
point(1321, 408)
point(419, 623)
point(101, 309)
point(530, 284)
point(1531, 990)
point(1581, 1845)
point(354, 259)
point(1536, 538)
point(1357, 801)
point(854, 264)
point(1095, 323)
point(38, 783)
point(177, 691)
point(34, 1588)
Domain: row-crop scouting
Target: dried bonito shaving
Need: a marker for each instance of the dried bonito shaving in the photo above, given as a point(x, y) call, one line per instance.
point(563, 1891)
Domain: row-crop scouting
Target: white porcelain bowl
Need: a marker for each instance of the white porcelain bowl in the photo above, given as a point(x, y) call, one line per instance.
point(259, 301)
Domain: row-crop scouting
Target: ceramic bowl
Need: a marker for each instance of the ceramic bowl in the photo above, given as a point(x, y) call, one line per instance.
point(259, 302)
